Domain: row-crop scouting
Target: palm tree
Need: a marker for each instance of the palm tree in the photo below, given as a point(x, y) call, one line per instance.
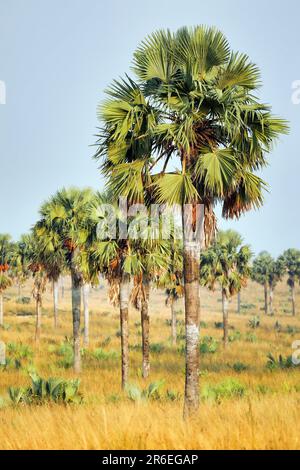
point(67, 214)
point(276, 272)
point(260, 273)
point(151, 262)
point(291, 261)
point(52, 257)
point(194, 102)
point(19, 264)
point(5, 279)
point(227, 264)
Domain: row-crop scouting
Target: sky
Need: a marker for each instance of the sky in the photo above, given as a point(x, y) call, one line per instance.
point(58, 56)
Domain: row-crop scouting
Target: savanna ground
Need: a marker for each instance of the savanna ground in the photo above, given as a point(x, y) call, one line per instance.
point(244, 405)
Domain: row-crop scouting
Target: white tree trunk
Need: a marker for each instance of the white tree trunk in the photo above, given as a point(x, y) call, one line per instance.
point(86, 313)
point(55, 303)
point(1, 310)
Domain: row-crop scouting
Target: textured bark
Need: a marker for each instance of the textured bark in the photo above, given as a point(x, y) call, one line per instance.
point(1, 310)
point(191, 261)
point(76, 279)
point(238, 302)
point(271, 296)
point(86, 313)
point(293, 300)
point(55, 302)
point(38, 324)
point(174, 322)
point(225, 318)
point(124, 301)
point(145, 322)
point(266, 299)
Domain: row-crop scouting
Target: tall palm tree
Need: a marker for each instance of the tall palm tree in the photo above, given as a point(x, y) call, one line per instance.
point(67, 214)
point(291, 261)
point(194, 101)
point(5, 278)
point(260, 273)
point(227, 264)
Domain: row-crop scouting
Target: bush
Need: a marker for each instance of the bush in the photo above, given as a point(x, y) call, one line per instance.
point(239, 367)
point(280, 363)
point(236, 336)
point(53, 389)
point(251, 337)
point(66, 352)
point(208, 345)
point(23, 300)
point(230, 388)
point(102, 355)
point(156, 347)
point(153, 391)
point(254, 322)
point(17, 356)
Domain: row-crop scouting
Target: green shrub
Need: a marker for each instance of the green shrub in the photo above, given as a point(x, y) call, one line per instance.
point(236, 336)
point(65, 351)
point(156, 347)
point(230, 388)
point(23, 300)
point(53, 389)
point(254, 322)
point(239, 367)
point(152, 392)
point(208, 345)
point(102, 355)
point(251, 337)
point(280, 363)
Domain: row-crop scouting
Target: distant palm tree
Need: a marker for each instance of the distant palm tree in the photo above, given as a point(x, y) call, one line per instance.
point(194, 102)
point(52, 257)
point(291, 261)
point(276, 273)
point(228, 265)
point(67, 214)
point(260, 273)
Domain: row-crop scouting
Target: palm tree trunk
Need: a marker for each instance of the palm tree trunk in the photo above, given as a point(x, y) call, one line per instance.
point(191, 267)
point(225, 317)
point(86, 313)
point(76, 307)
point(38, 324)
point(145, 322)
point(266, 299)
point(239, 302)
point(1, 309)
point(174, 322)
point(271, 297)
point(62, 287)
point(55, 302)
point(293, 300)
point(124, 301)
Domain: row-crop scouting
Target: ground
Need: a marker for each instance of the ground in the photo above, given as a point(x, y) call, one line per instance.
point(244, 404)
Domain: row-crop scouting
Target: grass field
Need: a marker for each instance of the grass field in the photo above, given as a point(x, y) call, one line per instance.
point(244, 404)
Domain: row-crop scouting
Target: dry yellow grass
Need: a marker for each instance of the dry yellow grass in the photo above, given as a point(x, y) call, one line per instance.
point(267, 417)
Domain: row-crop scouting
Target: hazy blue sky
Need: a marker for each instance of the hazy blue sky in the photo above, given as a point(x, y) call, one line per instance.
point(57, 56)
